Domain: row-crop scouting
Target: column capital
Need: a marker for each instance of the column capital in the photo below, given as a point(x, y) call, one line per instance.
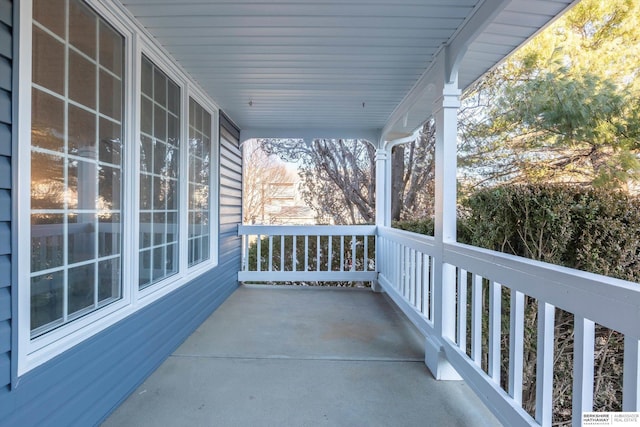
point(382, 154)
point(450, 97)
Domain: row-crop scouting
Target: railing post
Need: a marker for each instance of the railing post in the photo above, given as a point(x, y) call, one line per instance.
point(631, 375)
point(382, 213)
point(444, 286)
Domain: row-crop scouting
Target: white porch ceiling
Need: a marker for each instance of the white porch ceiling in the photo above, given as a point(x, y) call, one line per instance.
point(313, 64)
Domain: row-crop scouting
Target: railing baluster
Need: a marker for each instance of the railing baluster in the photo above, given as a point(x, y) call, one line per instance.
point(353, 253)
point(294, 262)
point(341, 253)
point(462, 309)
point(366, 253)
point(426, 278)
point(544, 365)
point(245, 245)
point(495, 313)
point(419, 283)
point(583, 345)
point(271, 253)
point(631, 375)
point(318, 253)
point(476, 319)
point(282, 254)
point(396, 268)
point(401, 269)
point(259, 254)
point(431, 285)
point(412, 278)
point(516, 345)
point(330, 254)
point(306, 253)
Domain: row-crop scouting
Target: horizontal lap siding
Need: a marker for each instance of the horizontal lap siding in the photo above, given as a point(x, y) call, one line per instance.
point(6, 85)
point(230, 187)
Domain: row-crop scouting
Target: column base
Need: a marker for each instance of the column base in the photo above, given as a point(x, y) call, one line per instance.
point(436, 360)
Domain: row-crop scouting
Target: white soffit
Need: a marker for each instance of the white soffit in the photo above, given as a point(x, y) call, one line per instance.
point(330, 64)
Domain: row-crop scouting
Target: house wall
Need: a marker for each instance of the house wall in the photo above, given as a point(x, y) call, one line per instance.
point(6, 60)
point(230, 182)
point(83, 385)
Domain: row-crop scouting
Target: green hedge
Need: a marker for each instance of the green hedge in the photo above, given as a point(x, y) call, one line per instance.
point(588, 229)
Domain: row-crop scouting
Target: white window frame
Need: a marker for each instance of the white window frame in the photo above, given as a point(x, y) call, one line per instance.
point(35, 352)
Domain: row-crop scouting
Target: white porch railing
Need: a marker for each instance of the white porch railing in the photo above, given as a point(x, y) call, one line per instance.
point(307, 253)
point(474, 293)
point(406, 273)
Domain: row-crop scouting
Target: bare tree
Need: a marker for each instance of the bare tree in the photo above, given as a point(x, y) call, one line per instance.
point(338, 176)
point(263, 174)
point(413, 173)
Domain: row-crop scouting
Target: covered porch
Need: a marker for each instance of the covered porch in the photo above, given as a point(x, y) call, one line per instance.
point(292, 356)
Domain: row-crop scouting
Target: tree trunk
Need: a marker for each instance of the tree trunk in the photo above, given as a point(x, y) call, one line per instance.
point(397, 181)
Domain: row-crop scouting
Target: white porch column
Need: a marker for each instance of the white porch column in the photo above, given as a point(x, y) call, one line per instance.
point(444, 287)
point(382, 199)
point(382, 193)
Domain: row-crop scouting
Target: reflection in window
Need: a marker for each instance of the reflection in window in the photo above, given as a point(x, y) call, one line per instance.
point(76, 163)
point(159, 160)
point(199, 182)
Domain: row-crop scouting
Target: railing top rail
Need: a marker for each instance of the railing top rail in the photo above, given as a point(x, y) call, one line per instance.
point(611, 302)
point(420, 242)
point(307, 230)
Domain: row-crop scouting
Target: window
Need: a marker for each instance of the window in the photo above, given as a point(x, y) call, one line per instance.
point(76, 163)
point(118, 206)
point(199, 182)
point(159, 160)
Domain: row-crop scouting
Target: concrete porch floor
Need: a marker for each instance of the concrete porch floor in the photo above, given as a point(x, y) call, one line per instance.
point(285, 356)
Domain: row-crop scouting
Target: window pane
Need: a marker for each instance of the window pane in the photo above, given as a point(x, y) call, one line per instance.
point(144, 269)
point(109, 188)
point(173, 93)
point(147, 77)
point(110, 95)
point(109, 279)
point(146, 226)
point(47, 292)
point(76, 158)
point(48, 72)
point(47, 181)
point(82, 188)
point(47, 241)
point(81, 287)
point(146, 190)
point(111, 48)
point(159, 87)
point(82, 133)
point(159, 154)
point(51, 14)
point(160, 123)
point(82, 80)
point(82, 27)
point(108, 235)
point(110, 141)
point(47, 121)
point(82, 237)
point(199, 152)
point(146, 119)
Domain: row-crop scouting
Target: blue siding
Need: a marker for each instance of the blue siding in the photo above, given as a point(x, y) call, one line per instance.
point(83, 385)
point(230, 184)
point(6, 85)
